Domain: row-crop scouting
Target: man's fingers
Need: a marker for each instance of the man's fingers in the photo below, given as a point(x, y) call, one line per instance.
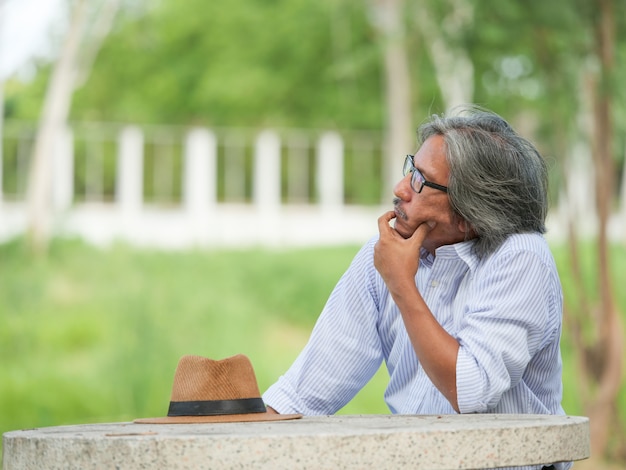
point(383, 222)
point(420, 234)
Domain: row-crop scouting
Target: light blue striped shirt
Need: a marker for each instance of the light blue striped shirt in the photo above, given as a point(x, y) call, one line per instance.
point(505, 311)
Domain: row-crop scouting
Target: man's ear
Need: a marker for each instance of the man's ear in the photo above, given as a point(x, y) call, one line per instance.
point(465, 227)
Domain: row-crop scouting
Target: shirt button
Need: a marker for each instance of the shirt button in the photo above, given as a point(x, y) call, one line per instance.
point(434, 283)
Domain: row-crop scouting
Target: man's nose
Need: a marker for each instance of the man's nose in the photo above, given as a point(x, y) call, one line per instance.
point(402, 189)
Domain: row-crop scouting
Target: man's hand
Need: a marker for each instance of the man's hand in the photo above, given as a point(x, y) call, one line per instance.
point(397, 258)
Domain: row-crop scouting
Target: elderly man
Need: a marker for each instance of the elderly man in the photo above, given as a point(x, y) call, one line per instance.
point(458, 294)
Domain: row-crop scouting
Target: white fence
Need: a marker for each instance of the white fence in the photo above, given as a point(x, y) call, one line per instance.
point(172, 188)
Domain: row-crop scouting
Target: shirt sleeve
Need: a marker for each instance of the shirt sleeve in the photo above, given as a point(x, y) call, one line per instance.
point(343, 352)
point(511, 315)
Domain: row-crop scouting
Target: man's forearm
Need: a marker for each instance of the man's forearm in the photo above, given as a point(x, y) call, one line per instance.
point(435, 348)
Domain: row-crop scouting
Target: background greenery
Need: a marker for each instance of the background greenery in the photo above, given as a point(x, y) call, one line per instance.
point(89, 335)
point(94, 335)
point(302, 63)
point(321, 65)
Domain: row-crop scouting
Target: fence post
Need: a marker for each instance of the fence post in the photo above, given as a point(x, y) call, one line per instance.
point(200, 177)
point(63, 171)
point(267, 188)
point(330, 171)
point(129, 187)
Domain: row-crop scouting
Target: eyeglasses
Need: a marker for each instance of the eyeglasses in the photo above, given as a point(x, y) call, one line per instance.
point(417, 178)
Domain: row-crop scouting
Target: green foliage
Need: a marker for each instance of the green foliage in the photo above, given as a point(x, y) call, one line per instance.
point(572, 298)
point(23, 99)
point(94, 335)
point(297, 63)
point(244, 63)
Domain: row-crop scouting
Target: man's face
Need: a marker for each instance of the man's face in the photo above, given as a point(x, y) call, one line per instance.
point(431, 205)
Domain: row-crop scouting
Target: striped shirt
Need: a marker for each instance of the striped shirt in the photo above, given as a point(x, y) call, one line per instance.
point(505, 310)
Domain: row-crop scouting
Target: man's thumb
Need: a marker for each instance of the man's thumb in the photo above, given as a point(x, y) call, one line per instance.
point(421, 232)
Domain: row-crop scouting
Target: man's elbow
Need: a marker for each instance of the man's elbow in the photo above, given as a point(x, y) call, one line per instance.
point(451, 396)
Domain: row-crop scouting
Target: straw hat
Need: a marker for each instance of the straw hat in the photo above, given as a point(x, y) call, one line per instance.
point(208, 391)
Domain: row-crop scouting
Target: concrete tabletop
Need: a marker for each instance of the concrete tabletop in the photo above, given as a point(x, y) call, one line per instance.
point(323, 442)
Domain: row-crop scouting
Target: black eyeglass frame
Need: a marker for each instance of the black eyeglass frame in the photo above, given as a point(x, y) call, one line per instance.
point(418, 176)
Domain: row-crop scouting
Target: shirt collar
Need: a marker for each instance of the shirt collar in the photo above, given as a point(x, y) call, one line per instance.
point(462, 250)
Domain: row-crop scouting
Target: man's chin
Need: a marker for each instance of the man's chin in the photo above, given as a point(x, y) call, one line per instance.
point(403, 231)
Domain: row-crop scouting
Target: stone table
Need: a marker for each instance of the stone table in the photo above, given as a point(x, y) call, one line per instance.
point(323, 442)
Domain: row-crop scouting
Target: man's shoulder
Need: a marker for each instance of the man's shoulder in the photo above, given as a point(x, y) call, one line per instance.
point(368, 247)
point(364, 258)
point(531, 244)
point(528, 241)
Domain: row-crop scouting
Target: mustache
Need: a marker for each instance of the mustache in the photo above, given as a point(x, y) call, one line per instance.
point(396, 208)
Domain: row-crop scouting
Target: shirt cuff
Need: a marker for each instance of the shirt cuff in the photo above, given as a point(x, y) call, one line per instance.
point(282, 398)
point(469, 389)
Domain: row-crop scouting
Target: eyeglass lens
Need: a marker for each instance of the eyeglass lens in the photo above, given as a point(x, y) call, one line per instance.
point(417, 179)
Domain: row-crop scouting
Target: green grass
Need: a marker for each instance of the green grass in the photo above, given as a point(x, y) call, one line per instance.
point(94, 336)
point(572, 295)
point(89, 335)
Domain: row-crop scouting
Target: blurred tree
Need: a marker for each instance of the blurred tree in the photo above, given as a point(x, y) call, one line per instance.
point(65, 75)
point(575, 50)
point(571, 59)
point(388, 17)
point(600, 343)
point(241, 63)
point(443, 27)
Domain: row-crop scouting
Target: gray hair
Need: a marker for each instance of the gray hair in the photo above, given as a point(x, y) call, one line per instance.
point(498, 180)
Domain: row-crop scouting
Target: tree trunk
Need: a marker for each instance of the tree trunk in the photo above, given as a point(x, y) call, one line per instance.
point(400, 137)
point(622, 198)
point(609, 347)
point(69, 70)
point(601, 357)
point(2, 5)
point(454, 70)
point(53, 118)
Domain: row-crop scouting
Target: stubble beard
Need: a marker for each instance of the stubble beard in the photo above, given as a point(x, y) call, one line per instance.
point(396, 207)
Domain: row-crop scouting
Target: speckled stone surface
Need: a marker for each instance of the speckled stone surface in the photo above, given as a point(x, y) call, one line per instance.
point(326, 442)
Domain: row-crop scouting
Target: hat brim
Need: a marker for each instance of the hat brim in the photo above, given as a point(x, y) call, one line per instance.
point(240, 418)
